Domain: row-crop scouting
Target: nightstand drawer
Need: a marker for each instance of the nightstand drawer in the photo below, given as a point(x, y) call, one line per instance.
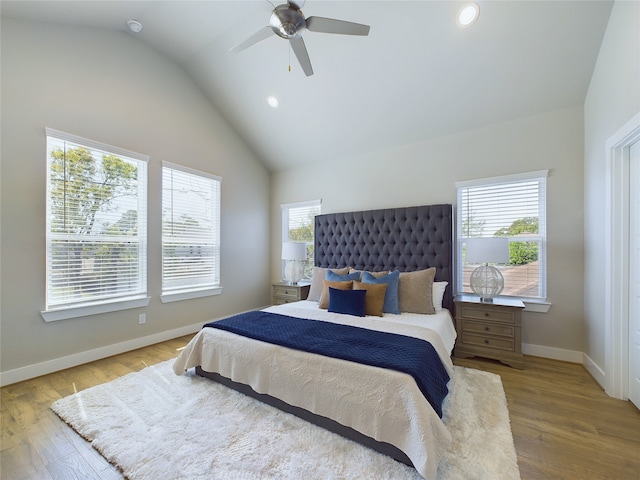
point(280, 300)
point(283, 291)
point(496, 343)
point(488, 328)
point(485, 313)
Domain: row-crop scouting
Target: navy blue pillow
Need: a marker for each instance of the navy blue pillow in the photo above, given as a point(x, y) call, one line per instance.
point(334, 277)
point(350, 302)
point(391, 298)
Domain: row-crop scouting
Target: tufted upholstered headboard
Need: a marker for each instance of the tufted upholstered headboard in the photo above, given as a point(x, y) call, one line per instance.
point(405, 239)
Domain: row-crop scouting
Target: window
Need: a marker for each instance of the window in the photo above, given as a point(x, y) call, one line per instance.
point(96, 235)
point(512, 206)
point(190, 233)
point(298, 224)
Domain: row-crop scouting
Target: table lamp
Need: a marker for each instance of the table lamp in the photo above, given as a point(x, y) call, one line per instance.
point(293, 253)
point(486, 280)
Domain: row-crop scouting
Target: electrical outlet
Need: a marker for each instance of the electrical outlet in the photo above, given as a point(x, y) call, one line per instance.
point(142, 318)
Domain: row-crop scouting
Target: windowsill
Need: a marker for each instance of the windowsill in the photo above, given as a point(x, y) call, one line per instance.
point(537, 306)
point(84, 310)
point(189, 294)
point(530, 305)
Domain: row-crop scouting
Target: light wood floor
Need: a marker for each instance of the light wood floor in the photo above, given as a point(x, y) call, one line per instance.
point(564, 425)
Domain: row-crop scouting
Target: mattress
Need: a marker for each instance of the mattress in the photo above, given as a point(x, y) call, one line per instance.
point(383, 404)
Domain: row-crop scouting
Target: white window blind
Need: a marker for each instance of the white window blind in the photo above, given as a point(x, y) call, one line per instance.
point(298, 223)
point(190, 229)
point(512, 206)
point(96, 222)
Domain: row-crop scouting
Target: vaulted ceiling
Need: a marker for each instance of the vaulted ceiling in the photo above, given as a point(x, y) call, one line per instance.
point(417, 75)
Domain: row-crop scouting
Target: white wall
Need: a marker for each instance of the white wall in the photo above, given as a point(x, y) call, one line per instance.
point(426, 172)
point(613, 98)
point(111, 87)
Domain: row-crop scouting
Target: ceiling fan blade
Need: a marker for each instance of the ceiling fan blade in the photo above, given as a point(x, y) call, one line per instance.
point(260, 35)
point(300, 50)
point(296, 3)
point(331, 25)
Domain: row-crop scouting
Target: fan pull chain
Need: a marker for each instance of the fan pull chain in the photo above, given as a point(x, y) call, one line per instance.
point(289, 57)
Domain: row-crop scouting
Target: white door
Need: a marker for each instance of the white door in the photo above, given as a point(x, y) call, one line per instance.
point(634, 274)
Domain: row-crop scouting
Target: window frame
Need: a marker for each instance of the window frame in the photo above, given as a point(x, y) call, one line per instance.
point(286, 208)
point(193, 291)
point(54, 311)
point(533, 303)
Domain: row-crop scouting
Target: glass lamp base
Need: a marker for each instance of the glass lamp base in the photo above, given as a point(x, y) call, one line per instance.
point(487, 282)
point(292, 272)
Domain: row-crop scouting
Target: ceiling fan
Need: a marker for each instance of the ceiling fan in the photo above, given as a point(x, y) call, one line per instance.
point(288, 22)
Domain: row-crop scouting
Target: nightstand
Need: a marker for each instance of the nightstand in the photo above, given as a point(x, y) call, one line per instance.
point(490, 330)
point(285, 293)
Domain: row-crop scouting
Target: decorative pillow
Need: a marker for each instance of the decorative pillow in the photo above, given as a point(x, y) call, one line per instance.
point(375, 297)
point(317, 277)
point(336, 277)
point(438, 294)
point(326, 284)
point(415, 291)
point(375, 274)
point(391, 302)
point(350, 302)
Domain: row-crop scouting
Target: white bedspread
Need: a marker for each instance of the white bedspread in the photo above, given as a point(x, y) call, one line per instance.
point(383, 404)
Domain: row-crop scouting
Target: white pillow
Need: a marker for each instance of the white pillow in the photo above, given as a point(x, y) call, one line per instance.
point(438, 294)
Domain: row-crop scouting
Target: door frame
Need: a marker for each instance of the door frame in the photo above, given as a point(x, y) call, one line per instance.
point(616, 287)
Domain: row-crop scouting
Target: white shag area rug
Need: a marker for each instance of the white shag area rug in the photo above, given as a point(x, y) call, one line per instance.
point(155, 425)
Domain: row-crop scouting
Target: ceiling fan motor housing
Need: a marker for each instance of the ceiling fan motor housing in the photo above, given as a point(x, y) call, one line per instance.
point(287, 22)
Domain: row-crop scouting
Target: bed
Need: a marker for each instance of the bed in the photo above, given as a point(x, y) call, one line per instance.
point(382, 408)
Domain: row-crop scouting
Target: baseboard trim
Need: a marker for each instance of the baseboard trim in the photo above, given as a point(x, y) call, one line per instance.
point(553, 353)
point(596, 372)
point(571, 356)
point(36, 370)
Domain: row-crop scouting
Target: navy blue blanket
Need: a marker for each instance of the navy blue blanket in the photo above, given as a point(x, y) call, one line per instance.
point(405, 354)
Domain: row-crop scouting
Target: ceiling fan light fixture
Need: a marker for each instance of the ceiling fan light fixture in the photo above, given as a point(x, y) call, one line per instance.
point(287, 22)
point(468, 15)
point(287, 29)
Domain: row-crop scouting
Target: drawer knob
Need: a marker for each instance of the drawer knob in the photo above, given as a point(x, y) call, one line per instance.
point(486, 329)
point(486, 314)
point(486, 341)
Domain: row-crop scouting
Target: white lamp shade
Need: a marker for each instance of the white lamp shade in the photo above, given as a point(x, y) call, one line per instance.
point(487, 250)
point(294, 251)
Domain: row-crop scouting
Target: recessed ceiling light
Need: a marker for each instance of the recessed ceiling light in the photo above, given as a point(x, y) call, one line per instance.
point(468, 14)
point(135, 26)
point(273, 101)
